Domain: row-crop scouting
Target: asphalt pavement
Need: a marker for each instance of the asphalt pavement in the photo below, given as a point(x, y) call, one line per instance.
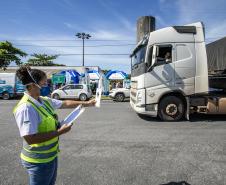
point(112, 145)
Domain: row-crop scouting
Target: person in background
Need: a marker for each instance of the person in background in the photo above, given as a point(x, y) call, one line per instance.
point(168, 58)
point(39, 127)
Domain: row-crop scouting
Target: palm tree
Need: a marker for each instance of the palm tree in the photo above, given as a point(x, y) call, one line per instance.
point(43, 60)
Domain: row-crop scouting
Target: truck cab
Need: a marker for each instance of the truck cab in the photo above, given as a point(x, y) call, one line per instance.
point(168, 66)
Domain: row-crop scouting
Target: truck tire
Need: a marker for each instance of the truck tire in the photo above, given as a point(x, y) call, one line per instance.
point(171, 108)
point(119, 97)
point(5, 96)
point(56, 96)
point(83, 97)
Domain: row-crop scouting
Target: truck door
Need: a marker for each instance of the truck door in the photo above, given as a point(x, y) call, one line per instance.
point(185, 67)
point(161, 74)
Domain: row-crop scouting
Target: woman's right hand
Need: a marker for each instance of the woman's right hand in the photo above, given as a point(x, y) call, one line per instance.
point(64, 129)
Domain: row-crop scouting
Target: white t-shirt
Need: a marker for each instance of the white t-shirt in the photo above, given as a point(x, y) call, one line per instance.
point(28, 119)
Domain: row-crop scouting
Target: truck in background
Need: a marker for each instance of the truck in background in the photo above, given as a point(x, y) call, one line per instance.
point(169, 75)
point(10, 86)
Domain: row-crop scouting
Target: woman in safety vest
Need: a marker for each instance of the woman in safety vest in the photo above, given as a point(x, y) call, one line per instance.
point(39, 127)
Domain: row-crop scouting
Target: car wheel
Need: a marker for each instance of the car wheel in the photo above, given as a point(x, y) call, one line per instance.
point(83, 97)
point(5, 96)
point(56, 96)
point(171, 108)
point(119, 97)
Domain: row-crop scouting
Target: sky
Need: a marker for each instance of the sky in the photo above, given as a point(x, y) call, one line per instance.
point(50, 26)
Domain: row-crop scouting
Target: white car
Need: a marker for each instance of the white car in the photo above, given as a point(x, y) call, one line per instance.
point(73, 91)
point(120, 94)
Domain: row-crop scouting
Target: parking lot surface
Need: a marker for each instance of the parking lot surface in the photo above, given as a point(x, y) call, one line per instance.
point(112, 145)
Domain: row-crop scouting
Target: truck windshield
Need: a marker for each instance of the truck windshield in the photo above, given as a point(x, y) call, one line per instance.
point(139, 56)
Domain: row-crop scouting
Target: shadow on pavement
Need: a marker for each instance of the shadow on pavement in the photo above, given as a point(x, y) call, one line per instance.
point(208, 118)
point(125, 101)
point(193, 118)
point(149, 118)
point(177, 183)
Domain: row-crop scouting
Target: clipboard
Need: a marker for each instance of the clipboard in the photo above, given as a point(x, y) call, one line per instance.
point(73, 115)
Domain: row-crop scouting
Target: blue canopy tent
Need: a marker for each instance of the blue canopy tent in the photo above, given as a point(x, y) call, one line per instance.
point(116, 75)
point(94, 75)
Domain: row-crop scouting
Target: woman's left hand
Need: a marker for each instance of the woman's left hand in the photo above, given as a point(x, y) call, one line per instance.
point(90, 103)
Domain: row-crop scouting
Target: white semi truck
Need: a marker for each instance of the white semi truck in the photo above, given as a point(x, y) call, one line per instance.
point(169, 75)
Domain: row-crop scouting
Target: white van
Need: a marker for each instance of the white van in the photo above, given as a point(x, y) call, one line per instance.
point(73, 91)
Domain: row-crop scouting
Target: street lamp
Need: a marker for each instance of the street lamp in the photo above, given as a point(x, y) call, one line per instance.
point(83, 36)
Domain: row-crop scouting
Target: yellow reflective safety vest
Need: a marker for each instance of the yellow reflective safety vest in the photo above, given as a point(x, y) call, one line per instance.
point(46, 151)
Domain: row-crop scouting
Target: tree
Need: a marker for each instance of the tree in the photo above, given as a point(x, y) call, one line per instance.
point(9, 54)
point(43, 60)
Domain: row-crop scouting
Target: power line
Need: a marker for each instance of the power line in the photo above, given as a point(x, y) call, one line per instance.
point(53, 40)
point(70, 54)
point(96, 54)
point(95, 46)
point(23, 45)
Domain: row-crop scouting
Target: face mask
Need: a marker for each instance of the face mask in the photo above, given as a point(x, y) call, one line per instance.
point(45, 90)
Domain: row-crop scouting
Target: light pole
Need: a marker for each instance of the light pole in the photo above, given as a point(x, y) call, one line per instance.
point(83, 36)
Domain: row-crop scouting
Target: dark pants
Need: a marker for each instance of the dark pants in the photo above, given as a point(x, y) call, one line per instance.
point(41, 173)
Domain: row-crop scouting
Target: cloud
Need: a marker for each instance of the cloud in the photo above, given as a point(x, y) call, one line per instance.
point(66, 3)
point(75, 27)
point(44, 43)
point(217, 30)
point(208, 11)
point(160, 21)
point(68, 25)
point(112, 35)
point(122, 19)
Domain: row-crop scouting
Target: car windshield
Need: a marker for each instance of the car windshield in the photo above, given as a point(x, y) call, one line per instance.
point(139, 56)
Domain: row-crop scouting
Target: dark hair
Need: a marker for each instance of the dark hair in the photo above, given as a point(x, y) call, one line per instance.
point(23, 74)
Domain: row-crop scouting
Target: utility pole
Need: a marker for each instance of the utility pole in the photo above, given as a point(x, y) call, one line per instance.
point(83, 36)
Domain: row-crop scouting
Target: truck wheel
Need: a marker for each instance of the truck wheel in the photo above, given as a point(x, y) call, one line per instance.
point(56, 96)
point(5, 96)
point(119, 97)
point(83, 97)
point(171, 108)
